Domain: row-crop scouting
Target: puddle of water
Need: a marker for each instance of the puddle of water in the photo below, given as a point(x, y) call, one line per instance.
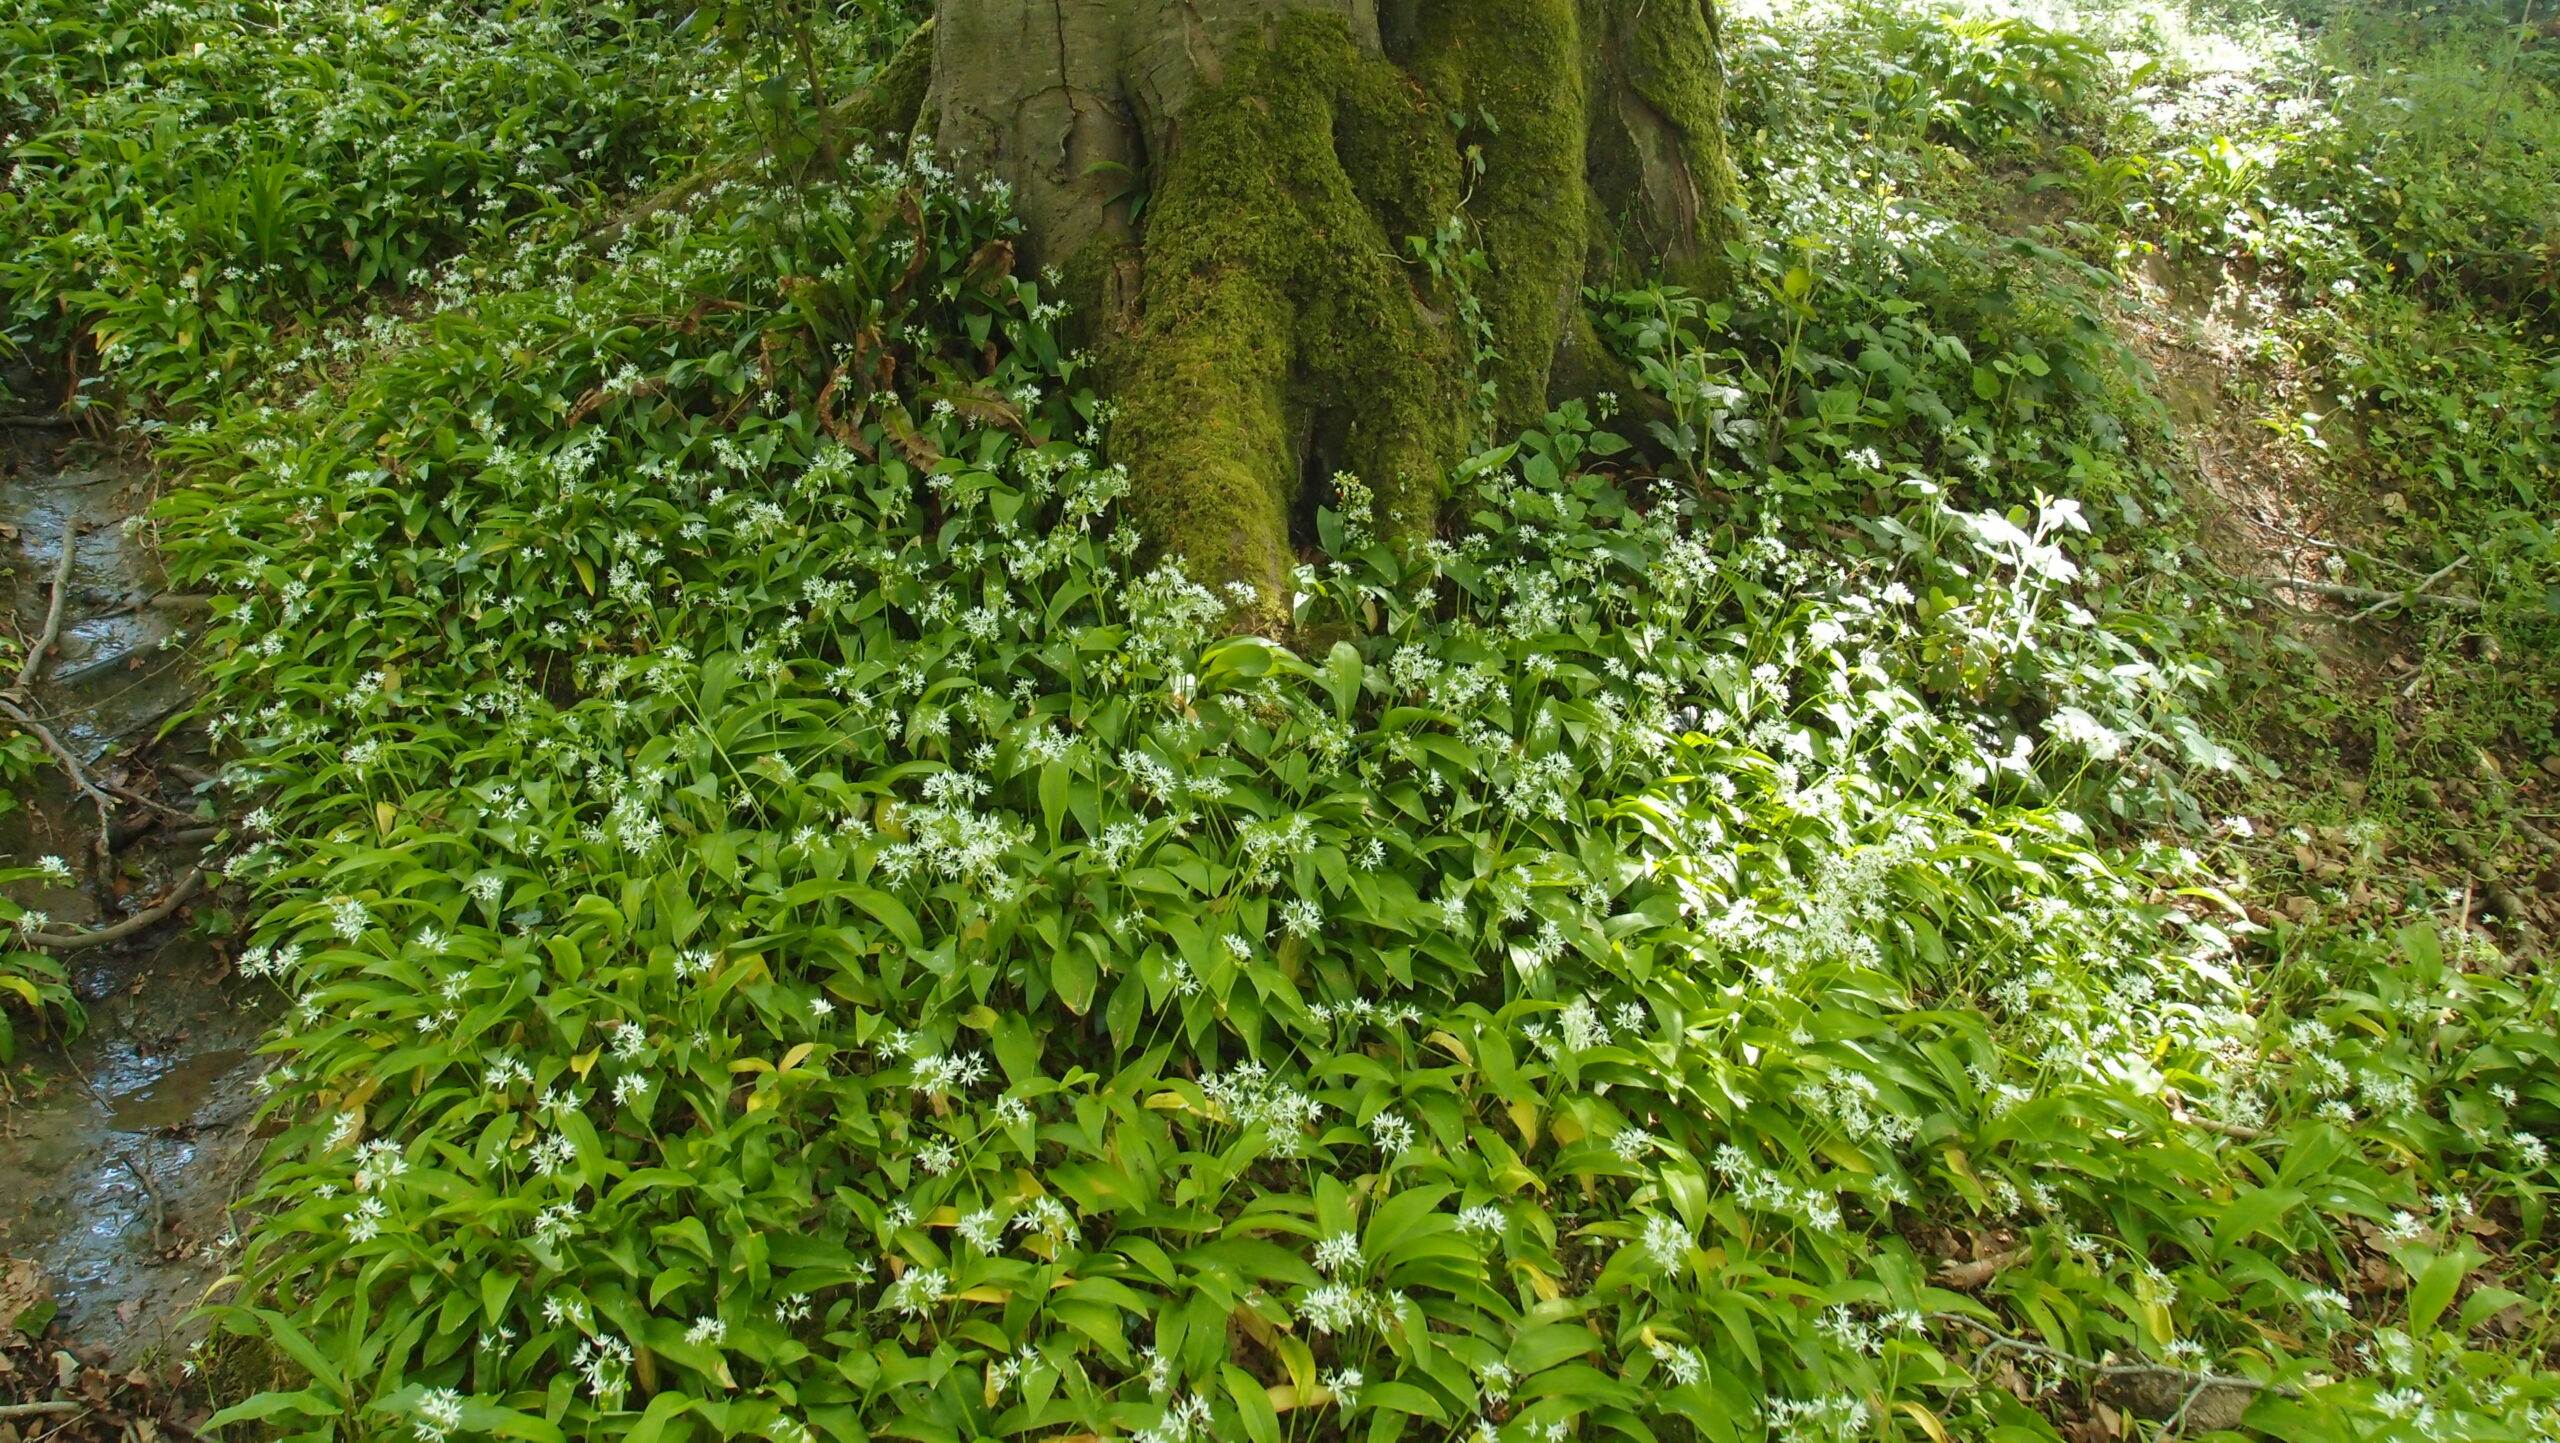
point(117, 1181)
point(120, 1159)
point(171, 1101)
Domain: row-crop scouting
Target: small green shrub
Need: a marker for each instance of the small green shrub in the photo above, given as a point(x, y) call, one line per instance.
point(1884, 70)
point(29, 979)
point(191, 187)
point(1985, 81)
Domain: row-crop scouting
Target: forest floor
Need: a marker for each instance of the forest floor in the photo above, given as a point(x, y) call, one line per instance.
point(2364, 397)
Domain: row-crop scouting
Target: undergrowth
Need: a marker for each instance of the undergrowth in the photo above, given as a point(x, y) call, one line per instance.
point(795, 924)
point(38, 984)
point(203, 198)
point(822, 939)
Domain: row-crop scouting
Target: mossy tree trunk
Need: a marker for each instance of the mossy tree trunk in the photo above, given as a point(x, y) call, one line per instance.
point(1232, 190)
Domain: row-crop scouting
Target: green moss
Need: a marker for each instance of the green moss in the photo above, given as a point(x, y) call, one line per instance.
point(1497, 61)
point(893, 100)
point(1671, 60)
point(1275, 326)
point(1277, 317)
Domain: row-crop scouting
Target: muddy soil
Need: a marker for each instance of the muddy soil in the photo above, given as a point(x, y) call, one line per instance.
point(122, 1151)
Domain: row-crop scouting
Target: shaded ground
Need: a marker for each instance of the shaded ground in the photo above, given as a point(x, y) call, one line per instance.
point(2272, 509)
point(121, 1152)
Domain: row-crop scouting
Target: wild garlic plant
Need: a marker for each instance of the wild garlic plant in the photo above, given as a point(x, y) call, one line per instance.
point(796, 924)
point(191, 183)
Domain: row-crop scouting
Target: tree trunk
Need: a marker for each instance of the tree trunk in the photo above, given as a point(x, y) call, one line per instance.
point(1263, 211)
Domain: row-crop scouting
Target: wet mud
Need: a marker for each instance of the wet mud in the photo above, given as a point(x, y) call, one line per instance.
point(122, 1149)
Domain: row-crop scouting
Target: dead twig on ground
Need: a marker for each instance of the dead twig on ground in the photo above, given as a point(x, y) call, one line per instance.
point(2493, 888)
point(2368, 594)
point(2538, 837)
point(150, 1185)
point(40, 1410)
point(2307, 539)
point(138, 922)
point(2412, 594)
point(70, 764)
point(154, 803)
point(2191, 1383)
point(34, 662)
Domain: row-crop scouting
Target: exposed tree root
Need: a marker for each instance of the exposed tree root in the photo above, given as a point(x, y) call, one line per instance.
point(1312, 237)
point(134, 925)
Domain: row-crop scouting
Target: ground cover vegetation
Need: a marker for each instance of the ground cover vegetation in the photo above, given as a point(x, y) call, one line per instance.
point(194, 189)
point(34, 981)
point(798, 923)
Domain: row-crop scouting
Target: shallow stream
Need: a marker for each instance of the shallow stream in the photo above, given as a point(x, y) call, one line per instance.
point(120, 1153)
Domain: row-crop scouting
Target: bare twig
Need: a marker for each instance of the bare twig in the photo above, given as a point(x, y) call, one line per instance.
point(138, 922)
point(37, 423)
point(141, 1173)
point(2368, 594)
point(2193, 1382)
point(71, 764)
point(96, 666)
point(58, 1429)
point(2232, 1130)
point(2178, 1112)
point(2412, 594)
point(2307, 539)
point(34, 662)
point(154, 803)
point(39, 1410)
point(2493, 887)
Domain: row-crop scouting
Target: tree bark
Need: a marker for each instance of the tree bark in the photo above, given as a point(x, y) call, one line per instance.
point(1264, 212)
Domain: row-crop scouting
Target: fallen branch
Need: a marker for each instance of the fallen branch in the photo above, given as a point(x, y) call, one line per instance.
point(53, 613)
point(2193, 1383)
point(154, 803)
point(2412, 594)
point(139, 922)
point(2232, 1130)
point(38, 423)
point(2538, 837)
point(39, 1410)
point(2501, 899)
point(2364, 556)
point(2368, 594)
point(2178, 1111)
point(150, 1185)
point(99, 667)
point(70, 764)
